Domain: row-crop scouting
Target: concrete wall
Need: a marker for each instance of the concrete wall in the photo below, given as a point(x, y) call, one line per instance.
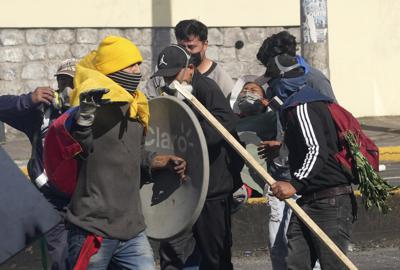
point(29, 57)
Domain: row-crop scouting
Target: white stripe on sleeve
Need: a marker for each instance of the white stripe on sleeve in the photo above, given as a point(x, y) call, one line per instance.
point(311, 142)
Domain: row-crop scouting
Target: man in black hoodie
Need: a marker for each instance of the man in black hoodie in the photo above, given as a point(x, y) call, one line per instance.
point(311, 137)
point(276, 44)
point(212, 231)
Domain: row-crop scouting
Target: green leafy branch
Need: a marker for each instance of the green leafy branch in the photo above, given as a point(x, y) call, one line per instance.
point(374, 190)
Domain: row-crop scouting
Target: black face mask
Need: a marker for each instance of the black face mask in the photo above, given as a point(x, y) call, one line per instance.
point(196, 59)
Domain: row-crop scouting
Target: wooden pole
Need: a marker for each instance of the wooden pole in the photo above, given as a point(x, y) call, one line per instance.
point(250, 161)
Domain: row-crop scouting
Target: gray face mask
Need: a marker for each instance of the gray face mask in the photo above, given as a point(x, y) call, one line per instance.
point(61, 100)
point(250, 104)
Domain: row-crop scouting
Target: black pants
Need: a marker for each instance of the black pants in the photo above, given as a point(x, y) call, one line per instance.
point(56, 238)
point(334, 217)
point(57, 247)
point(211, 236)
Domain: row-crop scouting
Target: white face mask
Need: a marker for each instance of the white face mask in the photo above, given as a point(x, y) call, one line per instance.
point(188, 87)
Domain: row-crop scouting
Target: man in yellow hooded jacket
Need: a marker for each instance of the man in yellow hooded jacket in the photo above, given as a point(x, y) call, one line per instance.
point(106, 224)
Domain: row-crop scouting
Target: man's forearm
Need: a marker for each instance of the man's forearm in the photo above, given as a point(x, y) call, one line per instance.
point(12, 105)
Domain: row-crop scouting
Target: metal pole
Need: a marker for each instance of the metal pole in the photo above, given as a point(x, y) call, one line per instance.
point(2, 133)
point(314, 34)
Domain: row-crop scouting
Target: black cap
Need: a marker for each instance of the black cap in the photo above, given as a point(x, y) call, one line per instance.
point(284, 66)
point(171, 60)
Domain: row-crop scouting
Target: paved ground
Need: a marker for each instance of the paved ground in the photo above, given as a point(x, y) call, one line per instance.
point(384, 130)
point(372, 259)
point(385, 258)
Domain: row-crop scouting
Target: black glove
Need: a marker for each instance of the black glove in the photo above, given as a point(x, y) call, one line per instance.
point(89, 102)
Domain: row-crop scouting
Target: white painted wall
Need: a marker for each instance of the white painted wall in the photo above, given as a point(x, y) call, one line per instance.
point(364, 51)
point(146, 13)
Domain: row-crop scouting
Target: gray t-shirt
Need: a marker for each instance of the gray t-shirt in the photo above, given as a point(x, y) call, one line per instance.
point(221, 77)
point(215, 72)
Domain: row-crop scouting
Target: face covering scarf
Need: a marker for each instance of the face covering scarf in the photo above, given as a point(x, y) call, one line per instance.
point(285, 87)
point(129, 81)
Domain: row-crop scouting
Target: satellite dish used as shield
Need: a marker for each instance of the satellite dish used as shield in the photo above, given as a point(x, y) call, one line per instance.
point(171, 206)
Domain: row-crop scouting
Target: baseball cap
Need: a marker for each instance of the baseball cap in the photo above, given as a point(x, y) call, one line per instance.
point(284, 66)
point(171, 60)
point(67, 67)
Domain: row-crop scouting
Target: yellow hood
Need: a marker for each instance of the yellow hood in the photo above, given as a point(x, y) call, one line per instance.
point(87, 77)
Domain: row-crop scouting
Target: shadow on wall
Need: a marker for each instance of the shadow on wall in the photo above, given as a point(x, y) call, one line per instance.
point(161, 36)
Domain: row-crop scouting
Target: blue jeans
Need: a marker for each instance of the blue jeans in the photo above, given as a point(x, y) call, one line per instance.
point(277, 227)
point(278, 224)
point(135, 253)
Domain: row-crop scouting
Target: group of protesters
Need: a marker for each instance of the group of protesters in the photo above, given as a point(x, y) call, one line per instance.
point(284, 110)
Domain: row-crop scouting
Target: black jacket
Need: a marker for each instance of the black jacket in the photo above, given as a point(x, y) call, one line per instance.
point(311, 137)
point(20, 113)
point(225, 163)
point(33, 120)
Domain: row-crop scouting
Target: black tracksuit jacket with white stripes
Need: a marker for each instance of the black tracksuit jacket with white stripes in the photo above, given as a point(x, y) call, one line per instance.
point(311, 138)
